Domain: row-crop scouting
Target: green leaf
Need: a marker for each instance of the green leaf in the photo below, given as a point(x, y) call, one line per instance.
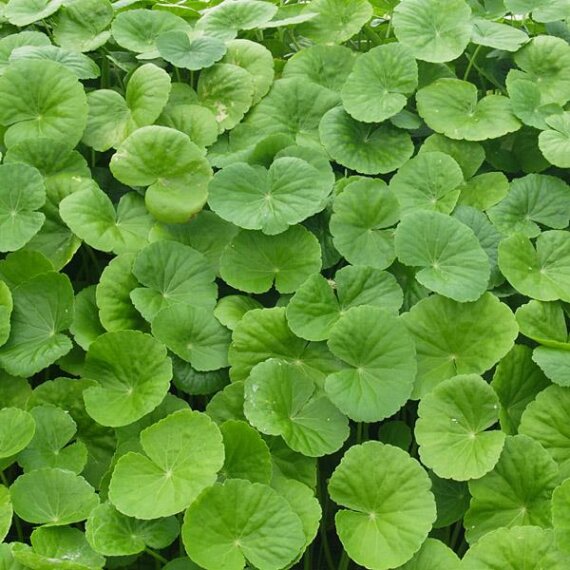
point(532, 200)
point(429, 181)
point(335, 21)
point(253, 261)
point(230, 310)
point(327, 66)
point(184, 451)
point(13, 41)
point(187, 51)
point(386, 74)
point(91, 216)
point(546, 61)
point(128, 386)
point(112, 118)
point(195, 121)
point(497, 35)
point(484, 191)
point(516, 493)
point(16, 432)
point(172, 274)
point(545, 420)
point(315, 308)
point(433, 555)
point(225, 20)
point(554, 143)
point(450, 107)
point(458, 338)
point(389, 506)
point(22, 192)
point(138, 30)
point(172, 167)
point(81, 25)
point(446, 36)
point(195, 382)
point(112, 295)
point(61, 547)
point(280, 401)
point(468, 154)
point(43, 309)
point(362, 214)
point(451, 429)
point(6, 512)
point(113, 534)
point(541, 271)
point(227, 404)
point(52, 497)
point(41, 99)
point(246, 453)
point(24, 12)
point(381, 363)
point(517, 381)
point(451, 498)
point(240, 521)
point(451, 259)
point(543, 322)
point(516, 547)
point(55, 428)
point(262, 334)
point(255, 198)
point(560, 504)
point(366, 148)
point(227, 90)
point(193, 334)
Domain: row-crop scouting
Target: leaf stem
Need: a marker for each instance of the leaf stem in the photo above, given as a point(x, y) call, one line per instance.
point(471, 62)
point(344, 561)
point(156, 555)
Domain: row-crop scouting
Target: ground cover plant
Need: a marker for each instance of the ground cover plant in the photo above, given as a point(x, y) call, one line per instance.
point(284, 284)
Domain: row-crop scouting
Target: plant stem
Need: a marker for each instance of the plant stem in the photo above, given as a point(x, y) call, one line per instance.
point(344, 561)
point(156, 555)
point(471, 62)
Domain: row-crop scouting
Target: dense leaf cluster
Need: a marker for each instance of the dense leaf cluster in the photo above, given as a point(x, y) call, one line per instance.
point(284, 284)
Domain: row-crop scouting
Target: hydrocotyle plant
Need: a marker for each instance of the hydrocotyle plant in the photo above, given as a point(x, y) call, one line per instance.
point(284, 284)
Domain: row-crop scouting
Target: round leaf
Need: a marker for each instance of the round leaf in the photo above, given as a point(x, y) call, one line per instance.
point(16, 431)
point(182, 50)
point(389, 506)
point(554, 143)
point(24, 12)
point(132, 373)
point(238, 521)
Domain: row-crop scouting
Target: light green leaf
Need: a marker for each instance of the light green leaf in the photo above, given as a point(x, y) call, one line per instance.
point(335, 21)
point(22, 192)
point(484, 191)
point(545, 420)
point(240, 521)
point(42, 99)
point(52, 497)
point(386, 74)
point(81, 25)
point(91, 216)
point(516, 493)
point(172, 167)
point(61, 547)
point(314, 308)
point(21, 266)
point(6, 512)
point(497, 35)
point(172, 274)
point(246, 453)
point(446, 36)
point(255, 198)
point(6, 306)
point(541, 271)
point(230, 310)
point(13, 41)
point(451, 259)
point(517, 381)
point(451, 429)
point(187, 51)
point(532, 200)
point(381, 363)
point(362, 214)
point(252, 262)
point(127, 388)
point(389, 506)
point(24, 12)
point(560, 505)
point(225, 20)
point(433, 555)
point(227, 404)
point(55, 428)
point(450, 107)
point(366, 148)
point(43, 309)
point(193, 334)
point(280, 401)
point(184, 451)
point(458, 338)
point(196, 121)
point(113, 534)
point(554, 143)
point(468, 154)
point(16, 431)
point(514, 548)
